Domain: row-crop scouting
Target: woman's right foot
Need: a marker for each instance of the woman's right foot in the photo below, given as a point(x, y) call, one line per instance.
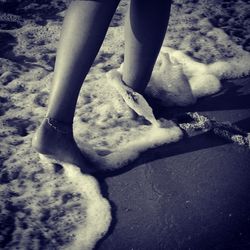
point(133, 99)
point(55, 140)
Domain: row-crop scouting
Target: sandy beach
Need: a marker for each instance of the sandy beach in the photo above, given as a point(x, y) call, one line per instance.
point(182, 185)
point(193, 194)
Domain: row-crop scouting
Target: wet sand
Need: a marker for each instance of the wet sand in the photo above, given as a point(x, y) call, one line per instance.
point(193, 194)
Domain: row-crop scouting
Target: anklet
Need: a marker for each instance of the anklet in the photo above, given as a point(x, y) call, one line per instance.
point(59, 126)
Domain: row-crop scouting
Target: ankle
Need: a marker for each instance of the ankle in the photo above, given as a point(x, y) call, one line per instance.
point(50, 132)
point(138, 86)
point(58, 126)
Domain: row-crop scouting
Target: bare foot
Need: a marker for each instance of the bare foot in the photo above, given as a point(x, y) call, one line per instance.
point(132, 98)
point(57, 142)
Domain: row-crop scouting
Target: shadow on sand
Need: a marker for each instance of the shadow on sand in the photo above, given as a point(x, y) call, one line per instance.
point(235, 95)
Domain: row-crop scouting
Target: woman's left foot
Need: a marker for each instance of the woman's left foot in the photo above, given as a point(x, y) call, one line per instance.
point(55, 140)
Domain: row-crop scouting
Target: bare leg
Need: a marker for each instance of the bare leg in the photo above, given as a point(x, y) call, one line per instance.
point(145, 28)
point(84, 29)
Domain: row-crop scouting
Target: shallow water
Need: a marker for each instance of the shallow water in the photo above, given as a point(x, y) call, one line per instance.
point(39, 204)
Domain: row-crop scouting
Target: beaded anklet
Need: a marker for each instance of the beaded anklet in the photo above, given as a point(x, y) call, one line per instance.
point(59, 126)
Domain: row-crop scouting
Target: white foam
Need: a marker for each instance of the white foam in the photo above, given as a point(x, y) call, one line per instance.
point(151, 138)
point(234, 68)
point(111, 129)
point(170, 84)
point(60, 211)
point(98, 215)
point(203, 85)
point(200, 56)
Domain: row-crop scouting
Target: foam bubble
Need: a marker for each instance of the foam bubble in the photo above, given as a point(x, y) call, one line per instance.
point(170, 84)
point(63, 210)
point(98, 216)
point(115, 134)
point(150, 138)
point(234, 68)
point(203, 85)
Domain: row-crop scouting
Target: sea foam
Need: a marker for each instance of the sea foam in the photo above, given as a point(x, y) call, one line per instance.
point(62, 208)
